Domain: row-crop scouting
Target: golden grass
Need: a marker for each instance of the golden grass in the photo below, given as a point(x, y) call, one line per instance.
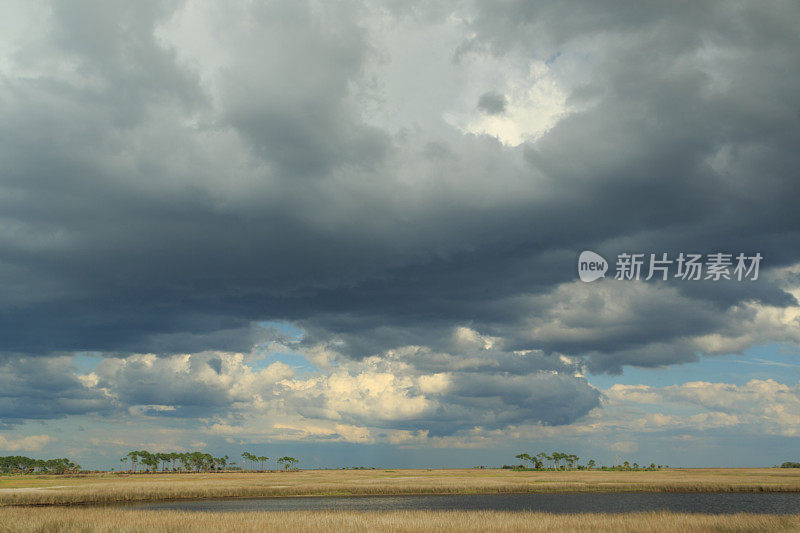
point(105, 488)
point(18, 519)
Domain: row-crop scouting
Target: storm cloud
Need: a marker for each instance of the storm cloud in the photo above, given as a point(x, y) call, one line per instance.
point(46, 388)
point(173, 175)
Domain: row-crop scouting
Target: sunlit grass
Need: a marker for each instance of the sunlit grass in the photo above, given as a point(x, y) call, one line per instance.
point(20, 519)
point(22, 490)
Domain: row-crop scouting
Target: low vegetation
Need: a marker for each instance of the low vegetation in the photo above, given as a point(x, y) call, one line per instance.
point(121, 520)
point(123, 487)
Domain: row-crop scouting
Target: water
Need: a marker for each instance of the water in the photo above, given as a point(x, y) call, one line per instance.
point(589, 502)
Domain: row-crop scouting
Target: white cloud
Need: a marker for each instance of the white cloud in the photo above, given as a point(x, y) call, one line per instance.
point(624, 446)
point(755, 407)
point(374, 396)
point(535, 104)
point(28, 443)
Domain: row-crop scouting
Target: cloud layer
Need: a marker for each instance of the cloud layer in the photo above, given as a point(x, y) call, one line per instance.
point(408, 185)
point(164, 187)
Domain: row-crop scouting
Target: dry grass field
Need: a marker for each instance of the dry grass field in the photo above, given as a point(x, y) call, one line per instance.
point(109, 488)
point(21, 519)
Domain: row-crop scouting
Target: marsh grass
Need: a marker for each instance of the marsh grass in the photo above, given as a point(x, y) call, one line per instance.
point(42, 519)
point(156, 487)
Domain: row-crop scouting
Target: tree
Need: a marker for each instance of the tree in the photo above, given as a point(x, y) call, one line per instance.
point(19, 464)
point(287, 462)
point(557, 456)
point(174, 456)
point(163, 458)
point(543, 456)
point(185, 461)
point(533, 460)
point(134, 457)
point(148, 459)
point(591, 464)
point(253, 458)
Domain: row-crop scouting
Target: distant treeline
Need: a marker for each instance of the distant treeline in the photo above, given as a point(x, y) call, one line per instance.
point(259, 462)
point(145, 461)
point(18, 464)
point(173, 461)
point(790, 464)
point(545, 461)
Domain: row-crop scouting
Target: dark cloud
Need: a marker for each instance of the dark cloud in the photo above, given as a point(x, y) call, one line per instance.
point(45, 388)
point(148, 205)
point(492, 103)
point(195, 385)
point(496, 401)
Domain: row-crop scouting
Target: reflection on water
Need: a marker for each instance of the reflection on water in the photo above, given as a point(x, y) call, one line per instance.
point(718, 503)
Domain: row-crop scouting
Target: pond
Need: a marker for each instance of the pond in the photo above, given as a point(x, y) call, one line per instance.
point(585, 502)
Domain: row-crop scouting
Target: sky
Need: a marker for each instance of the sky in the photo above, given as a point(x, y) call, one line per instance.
point(349, 232)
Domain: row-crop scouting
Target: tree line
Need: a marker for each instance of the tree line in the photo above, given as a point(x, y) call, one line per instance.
point(173, 461)
point(286, 462)
point(145, 461)
point(19, 464)
point(553, 461)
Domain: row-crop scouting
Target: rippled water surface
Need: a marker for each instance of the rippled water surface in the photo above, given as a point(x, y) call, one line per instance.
point(769, 503)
